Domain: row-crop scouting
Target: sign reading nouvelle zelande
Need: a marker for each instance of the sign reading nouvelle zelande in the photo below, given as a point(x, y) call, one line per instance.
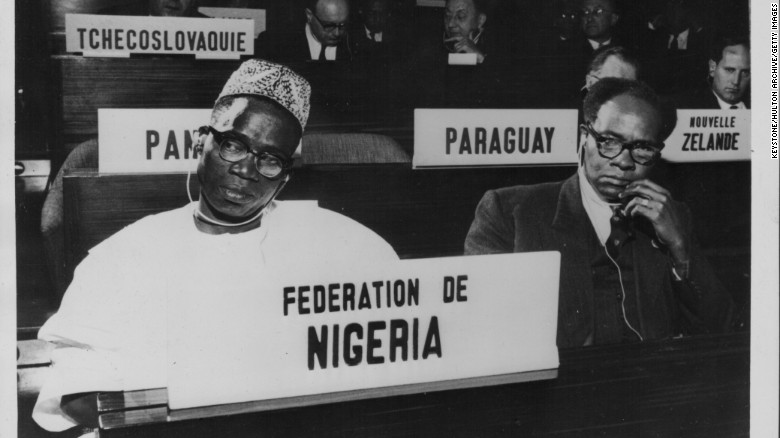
point(494, 137)
point(148, 140)
point(457, 321)
point(709, 135)
point(119, 36)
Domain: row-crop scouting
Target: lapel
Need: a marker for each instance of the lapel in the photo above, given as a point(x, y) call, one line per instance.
point(571, 233)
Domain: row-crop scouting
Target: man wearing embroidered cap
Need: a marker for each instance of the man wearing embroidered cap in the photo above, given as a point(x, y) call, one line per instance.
point(110, 332)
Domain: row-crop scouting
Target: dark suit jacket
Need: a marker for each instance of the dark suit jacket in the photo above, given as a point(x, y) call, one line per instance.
point(292, 46)
point(675, 71)
point(551, 216)
point(701, 98)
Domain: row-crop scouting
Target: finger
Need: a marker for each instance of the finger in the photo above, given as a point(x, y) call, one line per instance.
point(645, 207)
point(651, 185)
point(642, 191)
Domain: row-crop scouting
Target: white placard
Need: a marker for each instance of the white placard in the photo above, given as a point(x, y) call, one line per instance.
point(414, 322)
point(148, 140)
point(462, 59)
point(258, 15)
point(494, 137)
point(119, 36)
point(709, 135)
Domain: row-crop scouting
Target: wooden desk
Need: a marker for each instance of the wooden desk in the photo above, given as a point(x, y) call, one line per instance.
point(693, 387)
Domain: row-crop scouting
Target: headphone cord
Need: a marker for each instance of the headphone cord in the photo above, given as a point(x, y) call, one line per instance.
point(623, 296)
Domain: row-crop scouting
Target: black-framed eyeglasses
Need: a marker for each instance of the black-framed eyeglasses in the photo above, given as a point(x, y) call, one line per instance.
point(330, 27)
point(597, 12)
point(233, 150)
point(642, 152)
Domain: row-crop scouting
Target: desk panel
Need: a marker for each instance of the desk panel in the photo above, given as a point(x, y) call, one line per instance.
point(693, 387)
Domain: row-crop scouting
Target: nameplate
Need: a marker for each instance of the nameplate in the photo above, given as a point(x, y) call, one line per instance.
point(709, 135)
point(462, 59)
point(119, 36)
point(258, 15)
point(494, 137)
point(148, 140)
point(410, 323)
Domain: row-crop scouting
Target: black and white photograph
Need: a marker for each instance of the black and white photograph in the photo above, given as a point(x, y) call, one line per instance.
point(390, 218)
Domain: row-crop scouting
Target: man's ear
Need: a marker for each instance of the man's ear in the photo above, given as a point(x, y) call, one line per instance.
point(308, 13)
point(614, 19)
point(713, 66)
point(481, 21)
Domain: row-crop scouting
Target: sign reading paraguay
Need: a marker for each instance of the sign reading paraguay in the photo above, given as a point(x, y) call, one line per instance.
point(494, 137)
point(709, 135)
point(119, 36)
point(443, 322)
point(148, 140)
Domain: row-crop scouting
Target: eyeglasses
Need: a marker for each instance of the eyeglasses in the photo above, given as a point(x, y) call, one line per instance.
point(330, 27)
point(569, 15)
point(642, 152)
point(598, 12)
point(233, 150)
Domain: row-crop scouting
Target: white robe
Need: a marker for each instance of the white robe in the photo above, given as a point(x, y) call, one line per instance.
point(111, 327)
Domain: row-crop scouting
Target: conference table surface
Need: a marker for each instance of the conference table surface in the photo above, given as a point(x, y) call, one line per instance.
point(687, 387)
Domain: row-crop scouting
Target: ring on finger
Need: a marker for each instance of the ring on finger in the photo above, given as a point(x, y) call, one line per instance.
point(645, 202)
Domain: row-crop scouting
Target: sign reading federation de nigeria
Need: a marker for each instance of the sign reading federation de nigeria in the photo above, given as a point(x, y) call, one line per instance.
point(400, 328)
point(148, 140)
point(494, 137)
point(119, 36)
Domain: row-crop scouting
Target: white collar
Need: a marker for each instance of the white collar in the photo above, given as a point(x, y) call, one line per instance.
point(599, 211)
point(725, 105)
point(682, 39)
point(315, 46)
point(377, 35)
point(596, 44)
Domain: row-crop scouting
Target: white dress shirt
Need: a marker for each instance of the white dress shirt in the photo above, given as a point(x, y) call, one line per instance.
point(725, 105)
point(315, 46)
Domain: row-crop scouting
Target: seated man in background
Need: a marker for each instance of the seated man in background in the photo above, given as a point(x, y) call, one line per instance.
point(322, 38)
point(729, 74)
point(464, 28)
point(607, 62)
point(598, 19)
point(480, 82)
point(678, 42)
point(611, 62)
point(630, 270)
point(110, 331)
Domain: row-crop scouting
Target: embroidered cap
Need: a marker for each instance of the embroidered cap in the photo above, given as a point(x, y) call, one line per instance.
point(262, 78)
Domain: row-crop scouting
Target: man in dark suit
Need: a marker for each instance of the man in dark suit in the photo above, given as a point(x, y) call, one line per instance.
point(322, 38)
point(729, 74)
point(629, 268)
point(479, 81)
point(598, 19)
point(677, 45)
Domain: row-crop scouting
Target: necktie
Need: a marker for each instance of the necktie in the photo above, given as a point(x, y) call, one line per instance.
point(734, 107)
point(373, 37)
point(621, 231)
point(322, 53)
